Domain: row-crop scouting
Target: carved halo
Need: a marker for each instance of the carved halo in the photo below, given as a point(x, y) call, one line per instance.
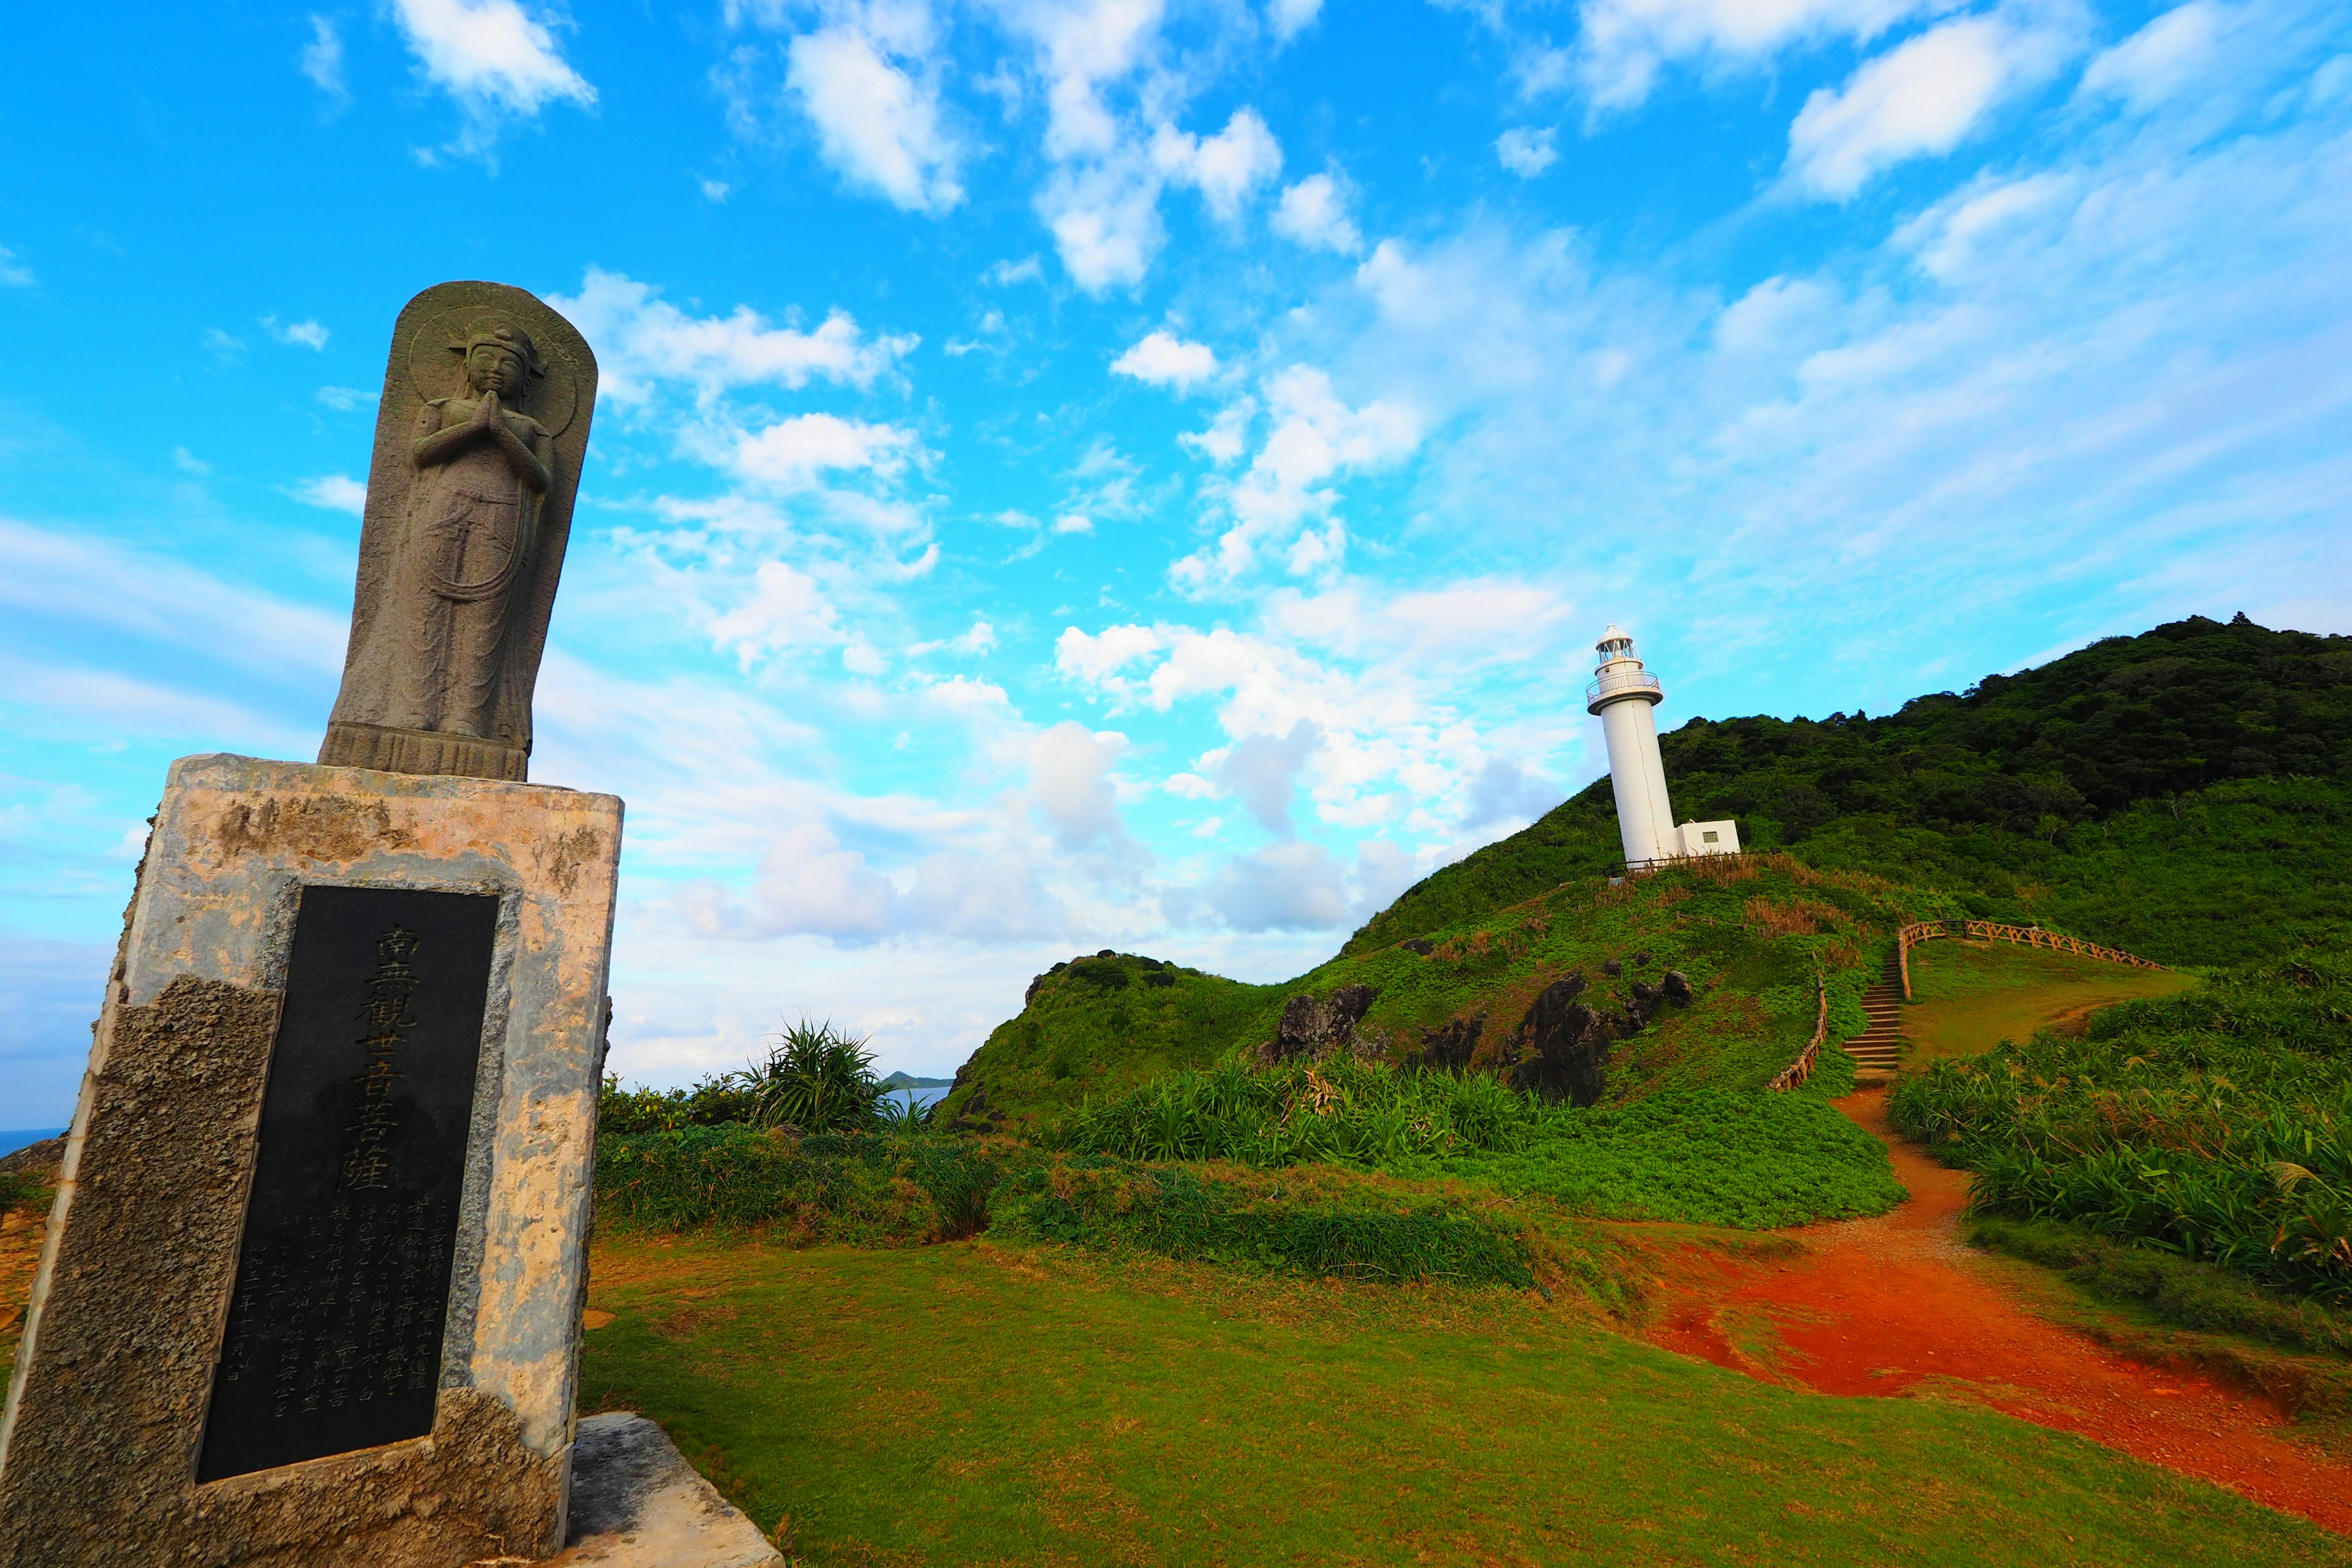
point(435, 372)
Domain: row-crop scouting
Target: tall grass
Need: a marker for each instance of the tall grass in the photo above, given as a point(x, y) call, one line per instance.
point(861, 1188)
point(1710, 1156)
point(1186, 1214)
point(1298, 1113)
point(2216, 1124)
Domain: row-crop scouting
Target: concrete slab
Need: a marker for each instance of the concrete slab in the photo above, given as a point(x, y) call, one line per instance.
point(636, 1503)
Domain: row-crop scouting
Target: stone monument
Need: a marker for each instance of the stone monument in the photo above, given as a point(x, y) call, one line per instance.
point(479, 439)
point(311, 1290)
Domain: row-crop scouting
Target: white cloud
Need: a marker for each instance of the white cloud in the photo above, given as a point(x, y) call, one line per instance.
point(188, 463)
point(295, 335)
point(14, 274)
point(1164, 359)
point(220, 345)
point(1227, 435)
point(1104, 220)
point(1314, 212)
point(137, 597)
point(493, 57)
point(1505, 792)
point(1263, 772)
point(800, 449)
point(343, 399)
point(1916, 99)
point(1074, 523)
point(336, 492)
point(785, 610)
point(321, 60)
point(1098, 657)
point(1623, 44)
point(1290, 886)
point(1315, 438)
point(1082, 45)
point(1224, 168)
point(1289, 18)
point(2166, 58)
point(1527, 150)
point(980, 640)
point(808, 885)
point(640, 339)
point(1070, 784)
point(878, 126)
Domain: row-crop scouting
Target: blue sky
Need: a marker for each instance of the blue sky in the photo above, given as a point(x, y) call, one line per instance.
point(1135, 473)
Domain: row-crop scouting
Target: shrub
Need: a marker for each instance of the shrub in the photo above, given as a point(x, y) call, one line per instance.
point(1710, 1156)
point(859, 1188)
point(2213, 1124)
point(1107, 1204)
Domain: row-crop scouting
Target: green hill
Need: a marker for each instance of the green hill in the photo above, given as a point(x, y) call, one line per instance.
point(1701, 977)
point(2186, 793)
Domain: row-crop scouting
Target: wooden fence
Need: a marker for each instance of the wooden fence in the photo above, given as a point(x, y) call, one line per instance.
point(1994, 930)
point(1798, 1071)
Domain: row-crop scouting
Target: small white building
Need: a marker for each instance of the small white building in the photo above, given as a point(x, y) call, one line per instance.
point(1621, 695)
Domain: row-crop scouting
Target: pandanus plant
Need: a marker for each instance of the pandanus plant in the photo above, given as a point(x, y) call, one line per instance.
point(817, 1078)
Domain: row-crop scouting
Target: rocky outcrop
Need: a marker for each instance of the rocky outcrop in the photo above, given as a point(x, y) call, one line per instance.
point(1561, 1047)
point(1314, 1030)
point(1449, 1047)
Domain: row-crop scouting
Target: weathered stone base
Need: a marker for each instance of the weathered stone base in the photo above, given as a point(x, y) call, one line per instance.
point(105, 1409)
point(636, 1503)
point(393, 750)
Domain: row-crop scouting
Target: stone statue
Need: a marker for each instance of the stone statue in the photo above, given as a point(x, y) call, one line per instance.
point(479, 441)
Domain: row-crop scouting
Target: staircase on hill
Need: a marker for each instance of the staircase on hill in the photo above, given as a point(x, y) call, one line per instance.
point(1877, 1048)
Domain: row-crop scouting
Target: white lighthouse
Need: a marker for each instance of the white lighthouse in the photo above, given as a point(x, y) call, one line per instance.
point(1621, 694)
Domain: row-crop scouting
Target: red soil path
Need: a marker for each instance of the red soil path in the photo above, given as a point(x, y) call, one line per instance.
point(1897, 1303)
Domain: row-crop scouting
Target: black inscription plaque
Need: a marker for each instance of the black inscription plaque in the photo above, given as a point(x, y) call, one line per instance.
point(342, 1282)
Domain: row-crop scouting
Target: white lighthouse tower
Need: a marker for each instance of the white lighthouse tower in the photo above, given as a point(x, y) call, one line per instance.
point(1621, 694)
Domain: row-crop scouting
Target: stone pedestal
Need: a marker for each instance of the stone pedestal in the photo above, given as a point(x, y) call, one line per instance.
point(312, 1284)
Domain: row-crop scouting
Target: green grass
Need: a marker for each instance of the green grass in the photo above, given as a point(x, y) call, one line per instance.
point(1705, 1156)
point(980, 1404)
point(1970, 996)
point(1356, 1230)
point(862, 1188)
point(1749, 936)
point(2173, 1290)
point(2212, 1124)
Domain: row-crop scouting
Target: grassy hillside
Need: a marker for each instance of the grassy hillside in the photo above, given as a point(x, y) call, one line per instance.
point(988, 1403)
point(2186, 793)
point(1746, 936)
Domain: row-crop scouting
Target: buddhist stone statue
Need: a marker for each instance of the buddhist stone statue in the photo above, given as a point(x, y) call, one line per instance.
point(480, 437)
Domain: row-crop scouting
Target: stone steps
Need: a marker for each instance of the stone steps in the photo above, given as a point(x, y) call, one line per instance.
point(1879, 1047)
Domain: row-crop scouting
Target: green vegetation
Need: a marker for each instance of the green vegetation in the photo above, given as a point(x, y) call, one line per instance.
point(1970, 996)
point(2212, 1124)
point(814, 1079)
point(1352, 1230)
point(864, 1189)
point(2173, 1289)
point(1749, 936)
point(982, 1404)
point(1709, 1156)
point(2186, 794)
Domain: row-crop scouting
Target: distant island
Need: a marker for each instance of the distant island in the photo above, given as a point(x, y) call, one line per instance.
point(902, 1081)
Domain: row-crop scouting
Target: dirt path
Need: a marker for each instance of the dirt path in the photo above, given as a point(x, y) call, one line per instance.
point(1898, 1304)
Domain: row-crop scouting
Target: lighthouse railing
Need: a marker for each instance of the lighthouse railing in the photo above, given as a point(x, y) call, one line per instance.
point(1626, 682)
